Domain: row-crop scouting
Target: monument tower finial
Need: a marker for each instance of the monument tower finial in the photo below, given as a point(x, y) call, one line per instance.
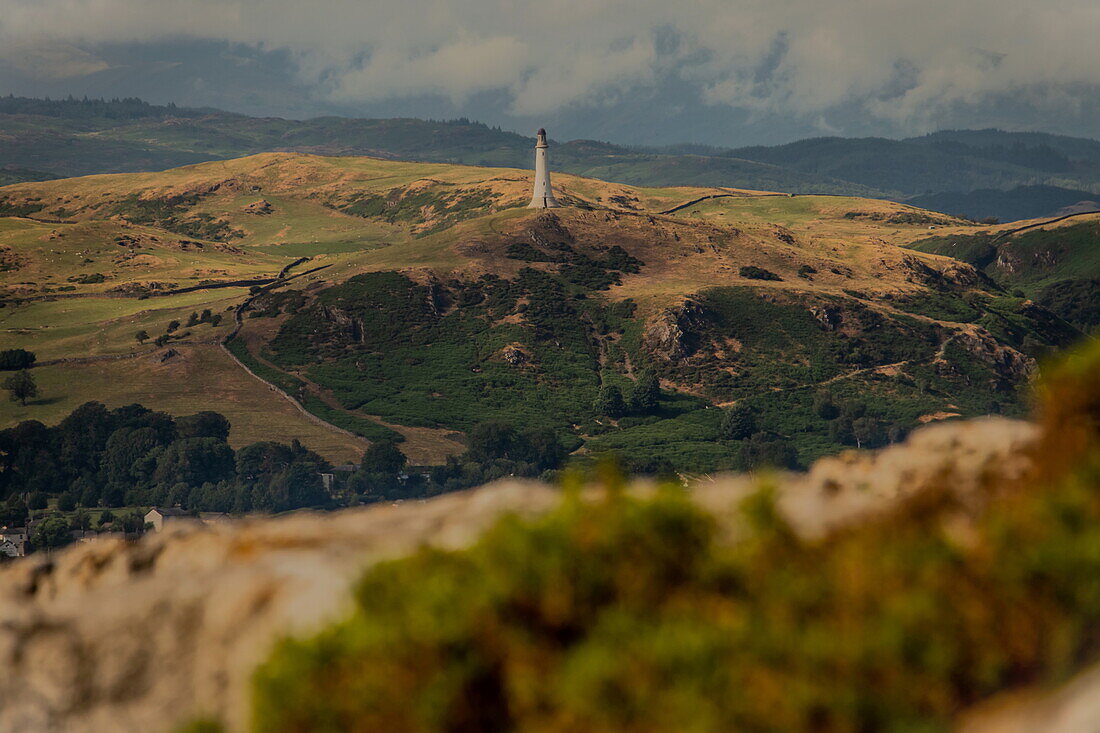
point(544, 193)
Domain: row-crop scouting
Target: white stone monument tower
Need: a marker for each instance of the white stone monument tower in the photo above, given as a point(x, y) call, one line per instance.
point(544, 194)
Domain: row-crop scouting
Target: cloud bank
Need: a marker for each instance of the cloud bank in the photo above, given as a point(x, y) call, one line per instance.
point(907, 62)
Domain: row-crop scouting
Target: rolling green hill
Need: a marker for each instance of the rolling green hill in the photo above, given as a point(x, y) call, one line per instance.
point(419, 301)
point(1056, 265)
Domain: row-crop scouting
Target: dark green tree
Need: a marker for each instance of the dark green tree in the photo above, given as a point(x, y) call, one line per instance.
point(840, 431)
point(195, 461)
point(383, 457)
point(869, 432)
point(37, 501)
point(22, 387)
point(766, 451)
point(646, 393)
point(122, 458)
point(142, 336)
point(81, 520)
point(205, 424)
point(491, 440)
point(541, 448)
point(14, 511)
point(824, 406)
point(738, 423)
point(16, 359)
point(610, 402)
point(53, 531)
point(66, 502)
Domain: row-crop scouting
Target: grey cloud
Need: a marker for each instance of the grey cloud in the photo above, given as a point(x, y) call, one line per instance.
point(908, 63)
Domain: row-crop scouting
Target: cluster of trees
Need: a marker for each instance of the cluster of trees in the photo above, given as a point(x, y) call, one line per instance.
point(759, 448)
point(495, 450)
point(849, 423)
point(134, 456)
point(127, 108)
point(643, 398)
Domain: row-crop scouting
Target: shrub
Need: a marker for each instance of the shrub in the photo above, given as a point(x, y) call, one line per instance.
point(645, 395)
point(610, 402)
point(383, 457)
point(738, 423)
point(752, 272)
point(632, 614)
point(66, 502)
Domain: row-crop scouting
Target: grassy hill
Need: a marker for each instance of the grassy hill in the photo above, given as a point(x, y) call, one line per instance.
point(1058, 264)
point(78, 137)
point(432, 301)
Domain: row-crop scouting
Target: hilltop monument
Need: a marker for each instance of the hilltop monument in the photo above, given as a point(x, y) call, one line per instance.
point(544, 194)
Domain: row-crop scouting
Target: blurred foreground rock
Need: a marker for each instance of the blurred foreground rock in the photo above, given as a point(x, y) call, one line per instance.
point(145, 636)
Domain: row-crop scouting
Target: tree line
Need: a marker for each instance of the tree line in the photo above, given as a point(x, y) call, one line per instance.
point(134, 456)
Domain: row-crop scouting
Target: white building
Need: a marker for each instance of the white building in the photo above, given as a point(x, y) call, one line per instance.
point(159, 517)
point(544, 192)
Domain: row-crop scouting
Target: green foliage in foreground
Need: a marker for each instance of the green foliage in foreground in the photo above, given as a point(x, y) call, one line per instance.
point(630, 615)
point(638, 614)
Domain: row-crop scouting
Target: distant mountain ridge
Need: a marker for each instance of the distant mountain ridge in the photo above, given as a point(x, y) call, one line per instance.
point(1022, 202)
point(977, 173)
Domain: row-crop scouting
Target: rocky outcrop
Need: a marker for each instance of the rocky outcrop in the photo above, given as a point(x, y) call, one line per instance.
point(1007, 361)
point(347, 323)
point(829, 317)
point(669, 336)
point(262, 207)
point(954, 275)
point(143, 636)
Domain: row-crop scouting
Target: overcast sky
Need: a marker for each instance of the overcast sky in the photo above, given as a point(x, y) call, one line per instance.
point(809, 66)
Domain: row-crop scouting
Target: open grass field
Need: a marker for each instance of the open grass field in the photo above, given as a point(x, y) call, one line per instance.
point(202, 377)
point(100, 326)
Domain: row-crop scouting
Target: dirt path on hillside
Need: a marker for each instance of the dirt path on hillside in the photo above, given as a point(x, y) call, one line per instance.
point(422, 446)
point(895, 367)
